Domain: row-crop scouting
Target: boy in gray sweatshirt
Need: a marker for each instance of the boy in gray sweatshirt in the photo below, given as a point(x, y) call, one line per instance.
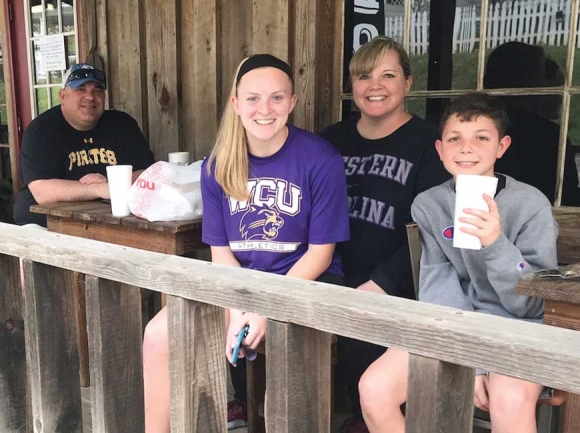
point(518, 235)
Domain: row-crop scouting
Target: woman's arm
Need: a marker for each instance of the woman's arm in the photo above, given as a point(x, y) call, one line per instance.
point(313, 263)
point(224, 256)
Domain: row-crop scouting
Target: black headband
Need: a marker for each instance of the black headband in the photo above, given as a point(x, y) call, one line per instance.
point(263, 61)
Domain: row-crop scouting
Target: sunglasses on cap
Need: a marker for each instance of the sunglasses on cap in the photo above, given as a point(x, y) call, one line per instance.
point(86, 75)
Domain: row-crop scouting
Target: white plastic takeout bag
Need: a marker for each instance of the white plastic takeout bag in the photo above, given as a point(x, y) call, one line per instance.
point(167, 192)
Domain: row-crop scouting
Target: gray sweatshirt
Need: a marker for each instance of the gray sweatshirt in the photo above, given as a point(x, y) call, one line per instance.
point(485, 280)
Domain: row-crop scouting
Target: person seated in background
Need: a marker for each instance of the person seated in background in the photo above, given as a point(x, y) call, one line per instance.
point(533, 155)
point(65, 150)
point(518, 235)
point(389, 158)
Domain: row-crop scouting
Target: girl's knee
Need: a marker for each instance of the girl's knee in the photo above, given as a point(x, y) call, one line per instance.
point(155, 339)
point(378, 389)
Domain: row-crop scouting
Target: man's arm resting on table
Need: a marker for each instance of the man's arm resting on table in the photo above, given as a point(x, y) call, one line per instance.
point(54, 190)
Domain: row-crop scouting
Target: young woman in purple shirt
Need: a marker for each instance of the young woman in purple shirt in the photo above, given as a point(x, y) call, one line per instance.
point(274, 200)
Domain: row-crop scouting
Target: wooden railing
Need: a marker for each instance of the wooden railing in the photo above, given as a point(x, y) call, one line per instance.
point(445, 344)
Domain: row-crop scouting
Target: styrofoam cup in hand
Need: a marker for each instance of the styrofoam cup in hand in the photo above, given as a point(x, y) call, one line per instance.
point(180, 158)
point(469, 190)
point(120, 180)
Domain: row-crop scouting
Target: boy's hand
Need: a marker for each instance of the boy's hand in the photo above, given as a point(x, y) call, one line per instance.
point(480, 395)
point(487, 225)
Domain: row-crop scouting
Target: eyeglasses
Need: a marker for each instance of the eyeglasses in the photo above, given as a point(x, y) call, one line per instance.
point(95, 74)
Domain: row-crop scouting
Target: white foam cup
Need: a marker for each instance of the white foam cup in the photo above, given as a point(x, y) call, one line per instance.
point(469, 190)
point(179, 158)
point(120, 180)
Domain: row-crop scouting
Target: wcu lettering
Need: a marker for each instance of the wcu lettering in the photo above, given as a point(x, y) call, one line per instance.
point(270, 192)
point(90, 157)
point(385, 166)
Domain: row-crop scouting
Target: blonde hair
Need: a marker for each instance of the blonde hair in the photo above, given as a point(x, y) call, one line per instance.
point(370, 54)
point(230, 151)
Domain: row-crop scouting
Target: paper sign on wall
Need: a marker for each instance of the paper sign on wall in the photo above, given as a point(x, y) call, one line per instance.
point(52, 55)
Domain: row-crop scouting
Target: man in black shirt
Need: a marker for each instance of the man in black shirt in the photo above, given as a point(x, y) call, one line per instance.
point(65, 150)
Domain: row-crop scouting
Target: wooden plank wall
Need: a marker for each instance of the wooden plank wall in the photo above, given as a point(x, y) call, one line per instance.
point(170, 63)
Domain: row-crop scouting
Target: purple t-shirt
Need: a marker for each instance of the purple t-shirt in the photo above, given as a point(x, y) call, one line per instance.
point(298, 197)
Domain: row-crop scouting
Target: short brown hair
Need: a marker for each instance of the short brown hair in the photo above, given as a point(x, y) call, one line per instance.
point(472, 105)
point(371, 53)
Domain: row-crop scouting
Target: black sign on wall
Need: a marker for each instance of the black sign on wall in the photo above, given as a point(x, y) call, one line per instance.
point(364, 20)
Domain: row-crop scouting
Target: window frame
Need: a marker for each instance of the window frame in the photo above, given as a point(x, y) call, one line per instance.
point(30, 47)
point(565, 91)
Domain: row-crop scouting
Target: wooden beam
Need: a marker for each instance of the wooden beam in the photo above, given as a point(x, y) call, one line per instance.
point(163, 75)
point(528, 351)
point(51, 348)
point(255, 392)
point(297, 379)
point(125, 65)
point(571, 419)
point(440, 71)
point(440, 397)
point(15, 411)
point(88, 28)
point(103, 41)
point(8, 68)
point(306, 25)
point(328, 63)
point(197, 367)
point(271, 28)
point(205, 75)
point(81, 317)
point(114, 325)
point(555, 289)
point(235, 30)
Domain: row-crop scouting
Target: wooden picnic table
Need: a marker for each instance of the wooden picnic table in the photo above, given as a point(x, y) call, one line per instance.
point(562, 298)
point(94, 220)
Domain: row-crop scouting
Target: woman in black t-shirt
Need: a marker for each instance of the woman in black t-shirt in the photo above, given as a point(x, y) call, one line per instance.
point(389, 158)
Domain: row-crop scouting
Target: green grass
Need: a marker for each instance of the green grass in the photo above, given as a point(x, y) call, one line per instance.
point(465, 78)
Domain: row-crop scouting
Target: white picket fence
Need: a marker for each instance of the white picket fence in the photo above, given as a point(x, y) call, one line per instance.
point(531, 21)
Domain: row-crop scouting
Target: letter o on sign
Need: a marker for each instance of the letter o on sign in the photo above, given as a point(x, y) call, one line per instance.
point(363, 33)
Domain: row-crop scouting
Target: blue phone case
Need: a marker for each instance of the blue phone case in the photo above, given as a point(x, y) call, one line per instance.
point(238, 345)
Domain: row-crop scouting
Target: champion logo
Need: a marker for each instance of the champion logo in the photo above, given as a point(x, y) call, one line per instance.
point(521, 266)
point(448, 232)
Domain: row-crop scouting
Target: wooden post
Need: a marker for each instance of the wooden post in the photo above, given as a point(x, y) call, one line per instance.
point(51, 348)
point(115, 349)
point(571, 418)
point(256, 389)
point(440, 397)
point(297, 379)
point(81, 314)
point(440, 76)
point(205, 75)
point(197, 367)
point(124, 29)
point(15, 413)
point(163, 75)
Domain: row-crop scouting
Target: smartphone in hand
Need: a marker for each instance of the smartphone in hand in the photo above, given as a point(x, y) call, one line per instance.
point(238, 343)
